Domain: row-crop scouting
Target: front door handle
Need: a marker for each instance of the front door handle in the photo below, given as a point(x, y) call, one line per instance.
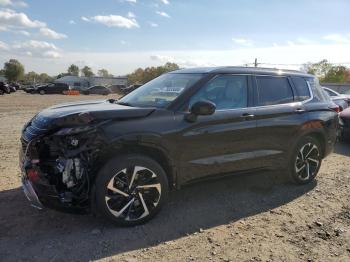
point(247, 116)
point(299, 110)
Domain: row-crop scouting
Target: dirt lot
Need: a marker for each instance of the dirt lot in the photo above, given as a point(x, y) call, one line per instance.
point(246, 218)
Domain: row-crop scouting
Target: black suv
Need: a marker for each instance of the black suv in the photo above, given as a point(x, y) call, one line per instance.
point(54, 88)
point(120, 158)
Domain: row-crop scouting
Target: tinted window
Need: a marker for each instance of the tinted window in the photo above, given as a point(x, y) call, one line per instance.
point(273, 90)
point(227, 92)
point(301, 88)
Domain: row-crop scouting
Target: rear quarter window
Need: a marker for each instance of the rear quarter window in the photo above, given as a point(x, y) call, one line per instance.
point(273, 90)
point(318, 93)
point(301, 88)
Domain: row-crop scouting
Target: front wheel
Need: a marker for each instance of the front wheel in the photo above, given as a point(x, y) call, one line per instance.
point(42, 92)
point(131, 189)
point(305, 161)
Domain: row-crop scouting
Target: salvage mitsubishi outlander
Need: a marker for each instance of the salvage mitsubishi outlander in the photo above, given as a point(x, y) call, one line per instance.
point(120, 158)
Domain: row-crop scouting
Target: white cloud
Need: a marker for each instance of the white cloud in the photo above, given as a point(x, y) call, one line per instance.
point(123, 42)
point(84, 18)
point(166, 2)
point(337, 38)
point(13, 3)
point(152, 24)
point(3, 46)
point(194, 62)
point(243, 41)
point(13, 19)
point(131, 15)
point(23, 32)
point(163, 14)
point(131, 1)
point(113, 21)
point(72, 22)
point(51, 33)
point(36, 48)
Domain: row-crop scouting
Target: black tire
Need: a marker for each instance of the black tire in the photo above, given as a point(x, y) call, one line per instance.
point(1, 92)
point(42, 92)
point(305, 160)
point(119, 172)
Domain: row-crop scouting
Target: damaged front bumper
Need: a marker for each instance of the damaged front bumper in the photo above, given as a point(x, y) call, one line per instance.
point(30, 193)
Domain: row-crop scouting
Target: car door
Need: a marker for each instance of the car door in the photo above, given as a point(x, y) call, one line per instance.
point(280, 114)
point(222, 142)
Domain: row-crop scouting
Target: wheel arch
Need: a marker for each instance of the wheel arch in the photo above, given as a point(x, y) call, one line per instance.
point(153, 151)
point(319, 136)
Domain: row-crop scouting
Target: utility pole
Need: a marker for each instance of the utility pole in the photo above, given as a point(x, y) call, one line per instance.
point(256, 62)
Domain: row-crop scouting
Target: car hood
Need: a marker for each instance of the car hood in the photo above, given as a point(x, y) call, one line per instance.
point(86, 111)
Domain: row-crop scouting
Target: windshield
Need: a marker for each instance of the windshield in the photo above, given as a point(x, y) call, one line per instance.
point(161, 91)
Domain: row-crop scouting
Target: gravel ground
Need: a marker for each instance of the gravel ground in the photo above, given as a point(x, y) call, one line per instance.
point(244, 218)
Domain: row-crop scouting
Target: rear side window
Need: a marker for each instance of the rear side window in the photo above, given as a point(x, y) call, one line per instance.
point(273, 90)
point(301, 88)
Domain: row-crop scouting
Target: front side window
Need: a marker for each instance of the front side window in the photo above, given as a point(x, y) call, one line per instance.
point(301, 88)
point(225, 91)
point(161, 91)
point(273, 90)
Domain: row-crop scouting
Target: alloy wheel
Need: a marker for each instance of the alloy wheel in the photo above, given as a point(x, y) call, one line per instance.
point(307, 161)
point(133, 193)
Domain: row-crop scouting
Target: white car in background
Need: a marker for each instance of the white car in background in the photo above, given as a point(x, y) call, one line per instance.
point(342, 100)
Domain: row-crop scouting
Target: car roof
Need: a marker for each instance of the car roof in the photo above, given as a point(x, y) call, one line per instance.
point(241, 70)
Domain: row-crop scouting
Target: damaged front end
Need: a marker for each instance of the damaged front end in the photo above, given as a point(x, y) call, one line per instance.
point(59, 163)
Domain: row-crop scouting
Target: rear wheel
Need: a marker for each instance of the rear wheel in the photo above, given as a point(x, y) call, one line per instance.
point(306, 160)
point(1, 92)
point(42, 92)
point(131, 189)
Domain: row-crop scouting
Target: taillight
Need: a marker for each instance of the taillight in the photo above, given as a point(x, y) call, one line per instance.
point(335, 108)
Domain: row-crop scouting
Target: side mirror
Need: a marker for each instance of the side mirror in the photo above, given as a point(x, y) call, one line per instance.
point(200, 108)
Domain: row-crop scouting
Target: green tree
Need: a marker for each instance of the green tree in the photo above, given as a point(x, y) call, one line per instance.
point(31, 77)
point(14, 70)
point(327, 72)
point(45, 78)
point(142, 76)
point(103, 72)
point(2, 72)
point(87, 71)
point(73, 70)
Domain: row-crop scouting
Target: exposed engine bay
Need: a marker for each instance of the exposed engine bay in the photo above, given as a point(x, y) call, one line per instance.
point(66, 164)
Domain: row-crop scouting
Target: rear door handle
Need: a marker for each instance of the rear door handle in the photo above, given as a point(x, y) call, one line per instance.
point(247, 116)
point(299, 110)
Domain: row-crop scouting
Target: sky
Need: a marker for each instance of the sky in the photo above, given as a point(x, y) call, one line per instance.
point(122, 35)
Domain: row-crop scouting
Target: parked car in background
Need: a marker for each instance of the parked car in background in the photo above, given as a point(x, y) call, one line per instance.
point(116, 88)
point(14, 86)
point(121, 158)
point(345, 124)
point(129, 89)
point(96, 90)
point(4, 88)
point(53, 88)
point(343, 101)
